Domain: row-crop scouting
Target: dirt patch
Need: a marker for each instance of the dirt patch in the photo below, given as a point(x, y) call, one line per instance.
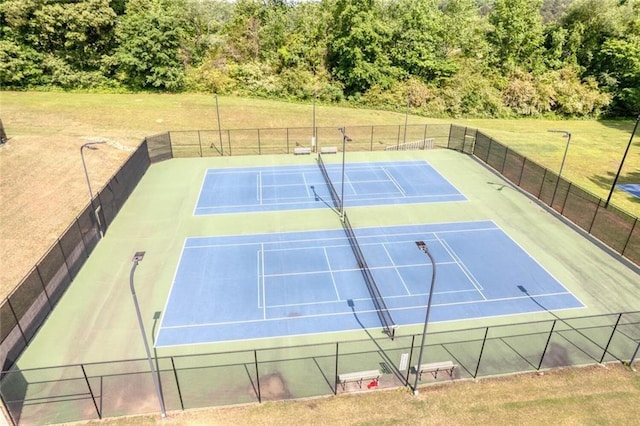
point(273, 387)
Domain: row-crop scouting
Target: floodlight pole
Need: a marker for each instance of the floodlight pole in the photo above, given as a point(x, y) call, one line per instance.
point(567, 135)
point(91, 146)
point(136, 259)
point(345, 139)
point(615, 180)
point(313, 122)
point(422, 246)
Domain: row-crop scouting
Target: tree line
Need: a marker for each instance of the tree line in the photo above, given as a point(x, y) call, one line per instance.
point(490, 58)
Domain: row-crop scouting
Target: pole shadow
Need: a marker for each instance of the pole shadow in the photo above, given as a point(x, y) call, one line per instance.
point(317, 197)
point(388, 367)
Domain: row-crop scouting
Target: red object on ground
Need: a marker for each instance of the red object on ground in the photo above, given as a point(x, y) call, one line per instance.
point(372, 384)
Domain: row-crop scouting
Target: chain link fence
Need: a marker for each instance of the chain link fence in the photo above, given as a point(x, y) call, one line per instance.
point(89, 391)
point(92, 391)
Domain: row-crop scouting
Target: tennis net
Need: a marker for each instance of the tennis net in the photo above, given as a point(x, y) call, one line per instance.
point(381, 308)
point(334, 195)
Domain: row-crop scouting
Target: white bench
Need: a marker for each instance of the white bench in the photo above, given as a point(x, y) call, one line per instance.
point(329, 150)
point(301, 150)
point(435, 367)
point(358, 377)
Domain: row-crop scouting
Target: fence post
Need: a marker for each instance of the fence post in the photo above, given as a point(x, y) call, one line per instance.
point(170, 144)
point(484, 340)
point(544, 351)
point(255, 357)
point(175, 374)
point(287, 140)
point(544, 177)
point(371, 141)
point(93, 398)
point(564, 203)
point(259, 145)
point(200, 143)
point(229, 140)
point(606, 348)
point(398, 139)
point(449, 137)
point(335, 377)
point(413, 339)
point(44, 287)
point(595, 214)
point(626, 244)
point(424, 135)
point(26, 342)
point(635, 353)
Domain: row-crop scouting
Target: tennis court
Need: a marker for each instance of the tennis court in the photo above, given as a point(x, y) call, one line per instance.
point(631, 188)
point(294, 187)
point(268, 285)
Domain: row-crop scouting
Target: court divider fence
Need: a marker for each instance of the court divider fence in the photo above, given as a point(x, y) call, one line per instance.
point(124, 387)
point(108, 389)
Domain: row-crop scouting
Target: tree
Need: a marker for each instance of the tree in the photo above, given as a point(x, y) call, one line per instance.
point(358, 47)
point(150, 51)
point(517, 36)
point(418, 46)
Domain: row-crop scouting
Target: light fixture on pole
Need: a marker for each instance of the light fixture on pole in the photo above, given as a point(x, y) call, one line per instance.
point(91, 146)
point(567, 135)
point(136, 259)
point(624, 157)
point(345, 139)
point(423, 247)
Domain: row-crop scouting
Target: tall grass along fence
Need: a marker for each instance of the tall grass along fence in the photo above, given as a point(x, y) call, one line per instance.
point(124, 387)
point(97, 390)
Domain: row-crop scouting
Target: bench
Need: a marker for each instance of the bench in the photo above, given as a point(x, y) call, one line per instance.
point(434, 368)
point(301, 150)
point(358, 377)
point(329, 150)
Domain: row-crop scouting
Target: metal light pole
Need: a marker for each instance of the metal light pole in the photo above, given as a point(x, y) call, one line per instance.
point(136, 259)
point(422, 246)
point(313, 122)
point(615, 181)
point(91, 146)
point(567, 135)
point(345, 139)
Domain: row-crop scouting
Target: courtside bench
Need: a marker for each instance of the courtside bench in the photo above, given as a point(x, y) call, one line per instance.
point(434, 368)
point(301, 150)
point(358, 377)
point(328, 150)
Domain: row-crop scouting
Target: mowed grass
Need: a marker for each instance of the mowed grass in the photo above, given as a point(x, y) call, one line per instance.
point(580, 396)
point(43, 187)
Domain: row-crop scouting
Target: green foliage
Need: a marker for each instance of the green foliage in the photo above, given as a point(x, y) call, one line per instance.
point(357, 47)
point(149, 53)
point(19, 64)
point(448, 57)
point(517, 35)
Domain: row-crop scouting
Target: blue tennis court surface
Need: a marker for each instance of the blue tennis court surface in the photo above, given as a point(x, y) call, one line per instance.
point(631, 188)
point(257, 286)
point(254, 189)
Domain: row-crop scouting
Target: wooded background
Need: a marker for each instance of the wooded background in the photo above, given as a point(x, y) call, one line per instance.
point(474, 58)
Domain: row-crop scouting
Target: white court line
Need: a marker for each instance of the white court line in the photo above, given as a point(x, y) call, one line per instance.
point(306, 184)
point(264, 287)
point(463, 267)
point(386, 172)
point(404, 308)
point(259, 189)
point(395, 268)
point(333, 280)
point(258, 277)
